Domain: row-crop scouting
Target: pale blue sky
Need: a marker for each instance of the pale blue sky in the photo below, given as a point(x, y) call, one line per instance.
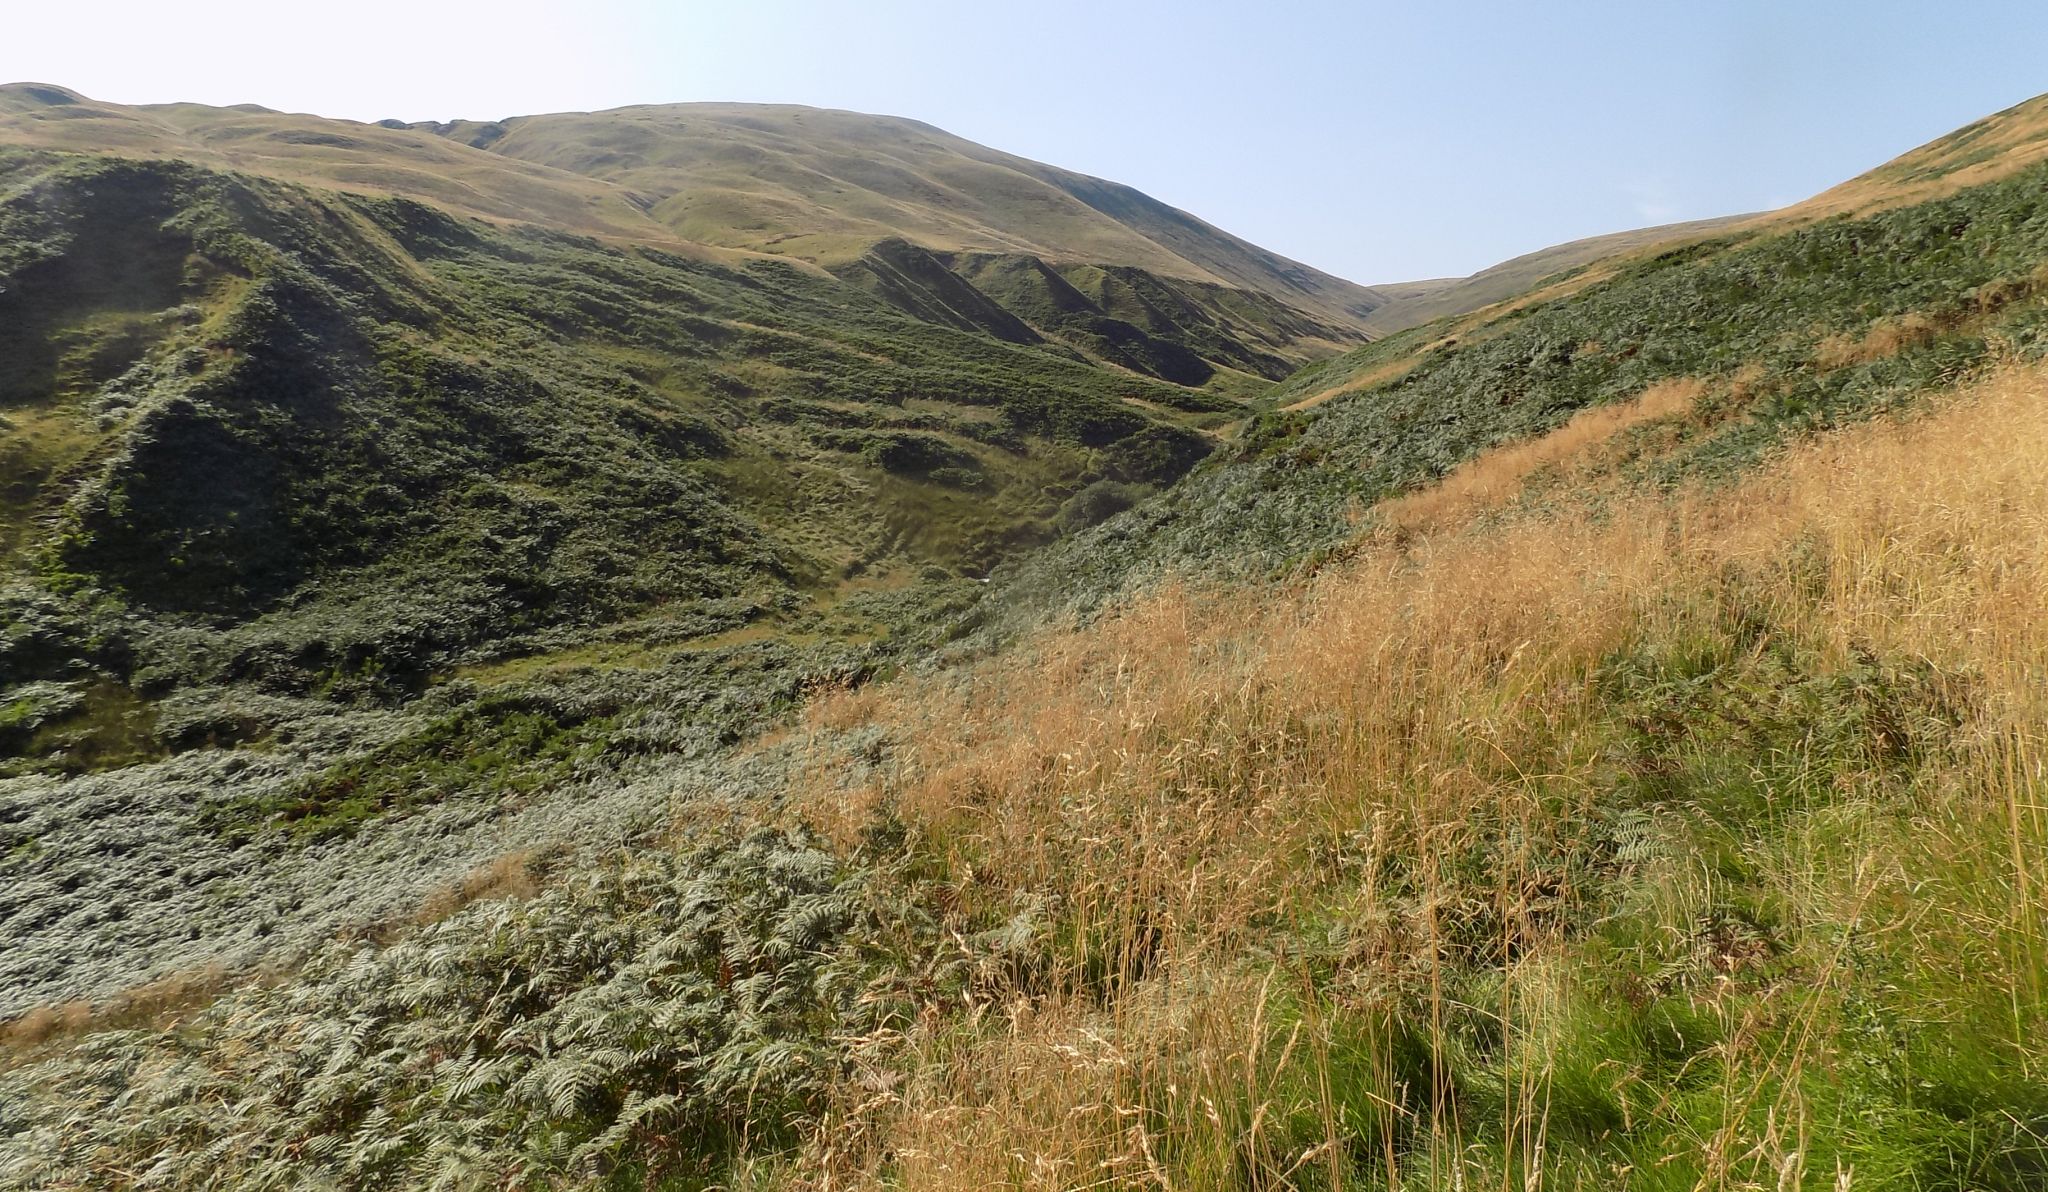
point(1379, 141)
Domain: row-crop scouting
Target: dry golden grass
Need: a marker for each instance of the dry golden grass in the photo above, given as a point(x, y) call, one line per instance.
point(1494, 477)
point(506, 877)
point(1995, 147)
point(1171, 786)
point(1886, 337)
point(156, 1004)
point(1392, 370)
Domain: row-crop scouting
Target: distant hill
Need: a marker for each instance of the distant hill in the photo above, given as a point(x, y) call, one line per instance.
point(826, 185)
point(860, 195)
point(1984, 151)
point(1411, 304)
point(332, 153)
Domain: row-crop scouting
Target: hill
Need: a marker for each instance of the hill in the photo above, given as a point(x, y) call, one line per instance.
point(1984, 151)
point(1775, 327)
point(838, 189)
point(322, 507)
point(1411, 304)
point(826, 185)
point(336, 154)
point(1591, 741)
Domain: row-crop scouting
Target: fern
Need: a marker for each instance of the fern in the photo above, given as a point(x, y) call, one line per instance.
point(703, 998)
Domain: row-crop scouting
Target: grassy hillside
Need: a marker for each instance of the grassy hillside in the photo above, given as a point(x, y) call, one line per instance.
point(330, 447)
point(823, 185)
point(1986, 150)
point(1411, 304)
point(1594, 742)
point(831, 188)
point(1767, 332)
point(367, 495)
point(1184, 332)
point(1995, 147)
point(1670, 845)
point(336, 154)
point(841, 188)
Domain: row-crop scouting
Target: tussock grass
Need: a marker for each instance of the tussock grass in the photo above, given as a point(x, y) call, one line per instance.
point(1681, 837)
point(152, 1004)
point(1697, 845)
point(1496, 476)
point(1884, 338)
point(1692, 844)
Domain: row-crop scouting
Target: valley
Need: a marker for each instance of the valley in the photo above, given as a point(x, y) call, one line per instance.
point(752, 646)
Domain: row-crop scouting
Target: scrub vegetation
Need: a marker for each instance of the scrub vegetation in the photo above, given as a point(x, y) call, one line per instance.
point(488, 706)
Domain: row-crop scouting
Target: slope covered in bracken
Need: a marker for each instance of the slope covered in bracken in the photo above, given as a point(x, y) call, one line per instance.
point(1695, 841)
point(1598, 743)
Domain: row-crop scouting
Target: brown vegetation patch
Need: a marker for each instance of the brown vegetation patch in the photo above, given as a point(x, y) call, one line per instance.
point(1167, 784)
point(1884, 338)
point(508, 876)
point(152, 1006)
point(1493, 478)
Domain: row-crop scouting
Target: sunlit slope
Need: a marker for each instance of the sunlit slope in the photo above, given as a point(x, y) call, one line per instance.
point(1592, 743)
point(824, 185)
point(281, 408)
point(1772, 328)
point(338, 154)
point(1681, 841)
point(1415, 303)
point(1984, 151)
point(872, 197)
point(1675, 840)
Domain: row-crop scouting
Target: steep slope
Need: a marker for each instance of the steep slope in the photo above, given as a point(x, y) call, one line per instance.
point(358, 433)
point(350, 543)
point(829, 188)
point(369, 501)
point(823, 185)
point(1701, 355)
point(1633, 780)
point(1985, 151)
point(852, 192)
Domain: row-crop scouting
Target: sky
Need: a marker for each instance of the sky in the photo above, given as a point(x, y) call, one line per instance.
point(1378, 141)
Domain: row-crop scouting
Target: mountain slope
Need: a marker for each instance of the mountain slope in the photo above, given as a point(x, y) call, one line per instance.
point(721, 182)
point(282, 409)
point(1984, 151)
point(1597, 746)
point(823, 185)
point(349, 543)
point(1709, 350)
point(337, 154)
point(1518, 756)
point(369, 501)
point(1411, 304)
